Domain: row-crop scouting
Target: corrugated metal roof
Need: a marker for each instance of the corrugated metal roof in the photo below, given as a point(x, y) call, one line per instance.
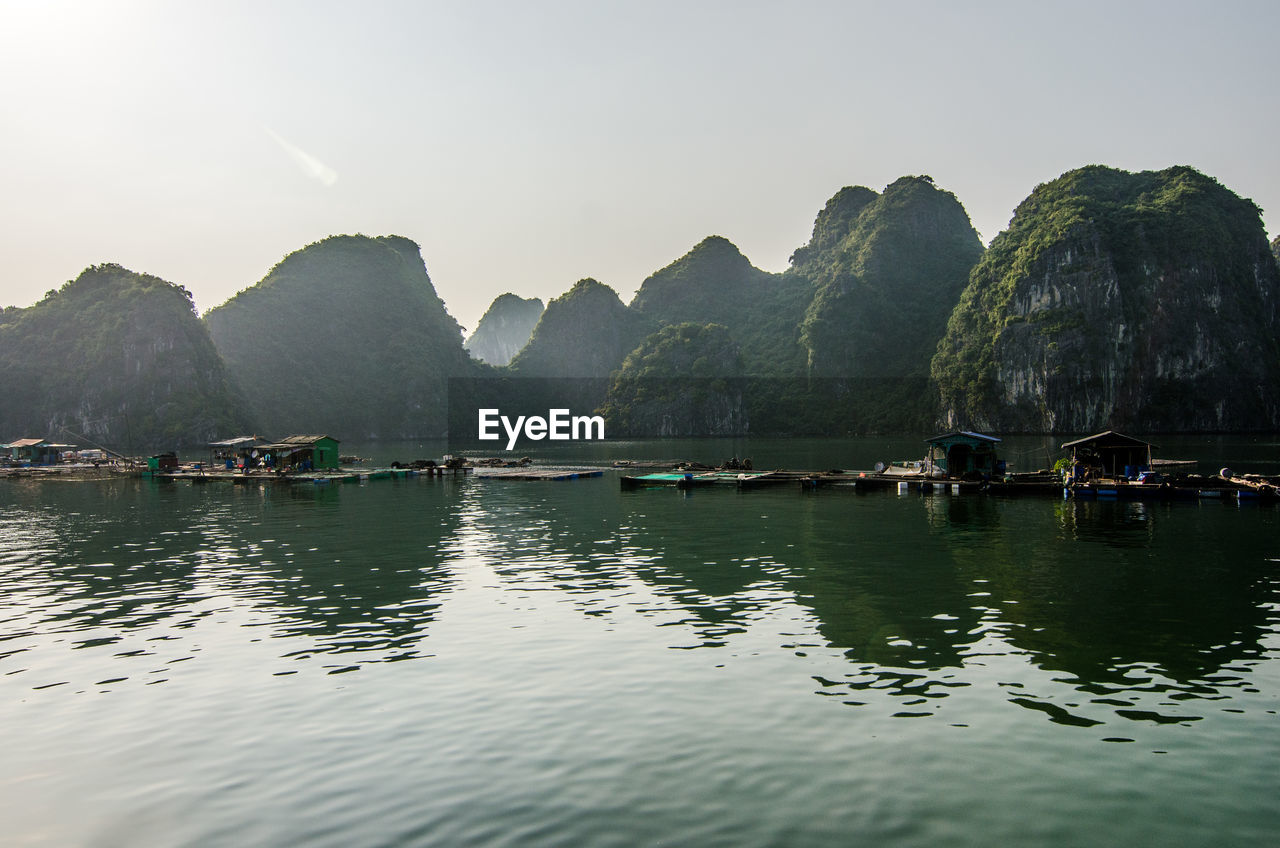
point(25, 443)
point(1109, 439)
point(238, 441)
point(966, 433)
point(304, 440)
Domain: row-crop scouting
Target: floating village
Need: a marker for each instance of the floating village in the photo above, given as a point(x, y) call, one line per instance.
point(1104, 465)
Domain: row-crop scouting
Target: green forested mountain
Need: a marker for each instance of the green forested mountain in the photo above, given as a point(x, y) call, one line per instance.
point(1147, 301)
point(887, 271)
point(117, 359)
point(865, 300)
point(709, 282)
point(868, 296)
point(346, 336)
point(505, 329)
point(832, 226)
point(581, 338)
point(1144, 301)
point(684, 380)
point(586, 332)
point(715, 283)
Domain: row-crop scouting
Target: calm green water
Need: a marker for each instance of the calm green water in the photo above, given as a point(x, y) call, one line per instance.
point(483, 663)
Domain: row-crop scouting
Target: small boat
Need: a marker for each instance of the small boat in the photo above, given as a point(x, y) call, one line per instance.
point(691, 479)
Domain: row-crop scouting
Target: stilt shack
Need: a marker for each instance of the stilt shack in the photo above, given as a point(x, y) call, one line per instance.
point(965, 453)
point(35, 451)
point(242, 450)
point(1111, 454)
point(318, 452)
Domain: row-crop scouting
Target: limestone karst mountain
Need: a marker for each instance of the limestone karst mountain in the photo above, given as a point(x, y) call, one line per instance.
point(715, 284)
point(586, 332)
point(115, 358)
point(346, 336)
point(504, 329)
point(1142, 301)
point(887, 272)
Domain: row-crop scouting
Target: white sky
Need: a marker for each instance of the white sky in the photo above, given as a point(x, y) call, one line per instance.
point(525, 145)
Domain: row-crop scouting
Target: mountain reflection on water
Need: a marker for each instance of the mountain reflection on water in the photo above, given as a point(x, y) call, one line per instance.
point(1143, 610)
point(478, 663)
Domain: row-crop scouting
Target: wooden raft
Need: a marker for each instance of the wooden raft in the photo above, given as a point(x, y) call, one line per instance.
point(536, 473)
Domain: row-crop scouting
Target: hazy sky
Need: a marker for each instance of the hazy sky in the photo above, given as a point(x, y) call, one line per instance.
point(525, 145)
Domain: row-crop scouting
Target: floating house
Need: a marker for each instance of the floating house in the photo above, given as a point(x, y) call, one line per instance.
point(242, 450)
point(310, 452)
point(965, 454)
point(1110, 454)
point(35, 451)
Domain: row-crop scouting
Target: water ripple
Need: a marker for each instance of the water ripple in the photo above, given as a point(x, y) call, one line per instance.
point(452, 662)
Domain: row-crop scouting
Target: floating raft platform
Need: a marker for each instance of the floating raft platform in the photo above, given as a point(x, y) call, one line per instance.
point(867, 481)
point(1249, 488)
point(79, 471)
point(1215, 490)
point(722, 477)
point(537, 473)
point(318, 478)
point(860, 480)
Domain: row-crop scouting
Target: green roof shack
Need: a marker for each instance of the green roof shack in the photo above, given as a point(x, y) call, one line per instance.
point(965, 454)
point(320, 451)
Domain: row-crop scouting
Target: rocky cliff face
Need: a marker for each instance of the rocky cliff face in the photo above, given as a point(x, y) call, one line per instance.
point(116, 358)
point(346, 336)
point(1145, 302)
point(1275, 248)
point(505, 329)
point(887, 271)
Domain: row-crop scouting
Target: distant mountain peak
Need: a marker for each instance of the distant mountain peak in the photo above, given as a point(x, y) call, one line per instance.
point(505, 329)
point(584, 332)
point(834, 223)
point(507, 299)
point(916, 180)
point(347, 317)
point(699, 284)
point(716, 245)
point(110, 275)
point(589, 284)
point(886, 279)
point(714, 251)
point(119, 357)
